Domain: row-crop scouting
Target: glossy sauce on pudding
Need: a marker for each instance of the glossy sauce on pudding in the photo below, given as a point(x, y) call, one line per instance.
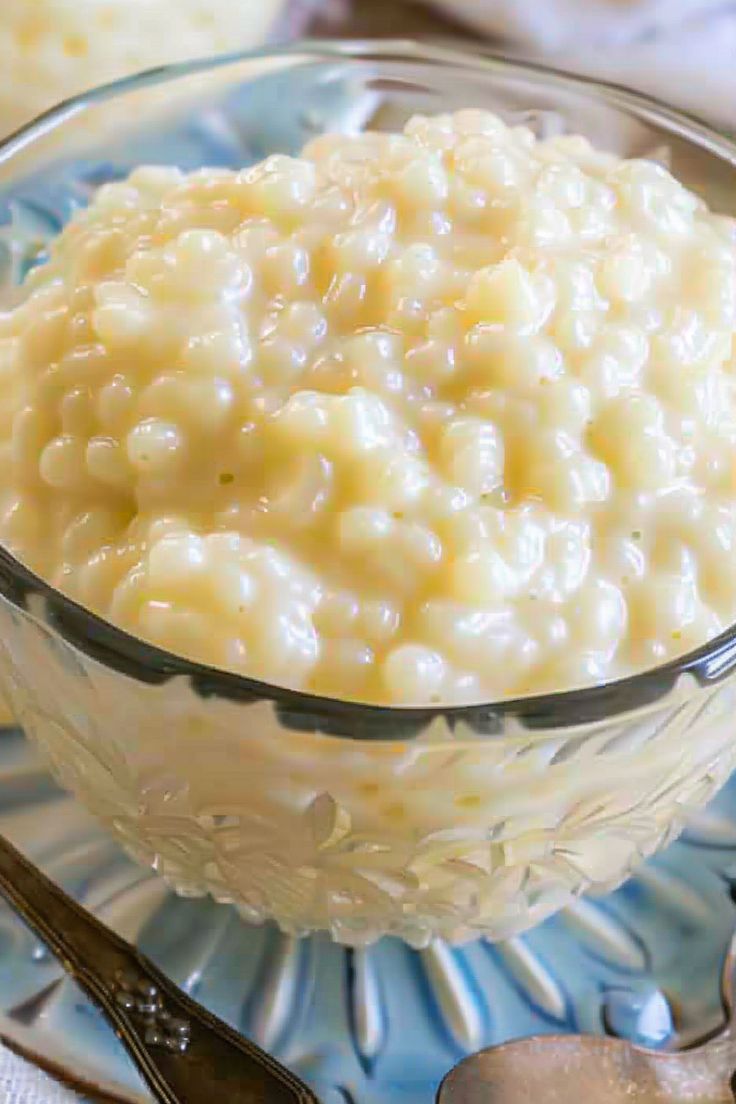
point(439, 416)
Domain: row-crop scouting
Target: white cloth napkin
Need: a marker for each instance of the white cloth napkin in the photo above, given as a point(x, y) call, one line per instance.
point(23, 1083)
point(681, 51)
point(692, 67)
point(555, 24)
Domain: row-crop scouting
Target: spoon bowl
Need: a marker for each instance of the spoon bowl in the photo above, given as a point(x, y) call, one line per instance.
point(557, 1069)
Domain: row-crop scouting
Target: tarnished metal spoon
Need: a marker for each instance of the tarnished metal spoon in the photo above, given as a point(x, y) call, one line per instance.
point(185, 1054)
point(589, 1069)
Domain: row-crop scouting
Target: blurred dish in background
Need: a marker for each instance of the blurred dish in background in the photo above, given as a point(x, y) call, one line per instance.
point(53, 49)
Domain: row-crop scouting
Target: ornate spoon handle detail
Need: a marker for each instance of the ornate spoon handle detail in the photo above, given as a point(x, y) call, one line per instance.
point(185, 1054)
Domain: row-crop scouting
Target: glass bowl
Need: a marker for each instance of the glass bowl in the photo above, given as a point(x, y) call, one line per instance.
point(320, 814)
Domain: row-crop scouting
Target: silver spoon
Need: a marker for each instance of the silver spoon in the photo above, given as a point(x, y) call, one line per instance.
point(188, 1056)
point(185, 1054)
point(589, 1069)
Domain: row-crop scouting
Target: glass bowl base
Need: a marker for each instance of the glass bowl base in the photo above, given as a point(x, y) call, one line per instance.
point(377, 1025)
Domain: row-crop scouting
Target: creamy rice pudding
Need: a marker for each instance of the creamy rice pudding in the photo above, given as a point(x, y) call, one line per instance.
point(439, 416)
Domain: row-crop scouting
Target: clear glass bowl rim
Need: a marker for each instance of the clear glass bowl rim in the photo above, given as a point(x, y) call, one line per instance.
point(120, 651)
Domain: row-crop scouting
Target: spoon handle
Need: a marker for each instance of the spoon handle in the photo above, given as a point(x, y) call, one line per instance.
point(185, 1054)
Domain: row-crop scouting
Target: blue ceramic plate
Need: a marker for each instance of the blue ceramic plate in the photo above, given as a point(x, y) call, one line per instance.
point(379, 1025)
